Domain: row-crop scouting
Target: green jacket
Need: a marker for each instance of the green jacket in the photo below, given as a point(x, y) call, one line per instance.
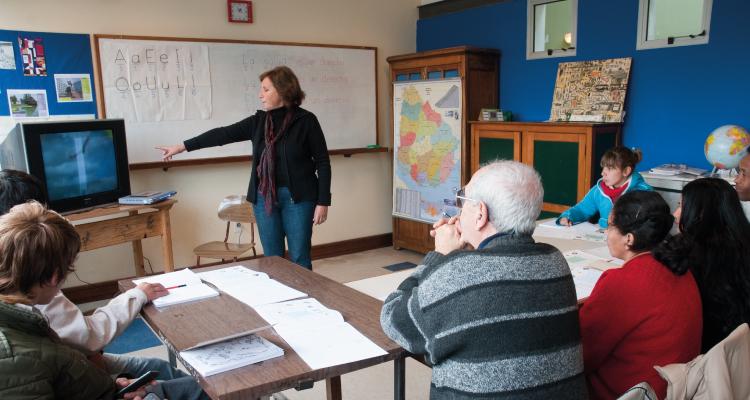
point(33, 365)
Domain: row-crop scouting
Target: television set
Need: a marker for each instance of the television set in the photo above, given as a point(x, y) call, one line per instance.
point(82, 163)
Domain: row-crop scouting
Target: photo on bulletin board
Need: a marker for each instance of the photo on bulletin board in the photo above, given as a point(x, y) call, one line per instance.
point(7, 58)
point(32, 54)
point(28, 103)
point(73, 87)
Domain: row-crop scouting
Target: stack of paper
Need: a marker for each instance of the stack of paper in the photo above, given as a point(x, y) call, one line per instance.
point(250, 287)
point(183, 286)
point(676, 169)
point(586, 269)
point(231, 354)
point(318, 334)
point(583, 231)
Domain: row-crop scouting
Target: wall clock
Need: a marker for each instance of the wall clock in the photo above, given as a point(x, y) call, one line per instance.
point(240, 11)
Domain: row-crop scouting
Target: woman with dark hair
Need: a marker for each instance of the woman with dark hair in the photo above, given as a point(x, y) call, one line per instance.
point(712, 243)
point(642, 314)
point(290, 183)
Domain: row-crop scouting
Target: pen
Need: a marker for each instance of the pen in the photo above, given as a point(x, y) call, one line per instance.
point(446, 215)
point(176, 286)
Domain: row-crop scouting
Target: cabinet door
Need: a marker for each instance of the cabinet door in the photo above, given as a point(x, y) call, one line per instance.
point(412, 235)
point(488, 144)
point(560, 159)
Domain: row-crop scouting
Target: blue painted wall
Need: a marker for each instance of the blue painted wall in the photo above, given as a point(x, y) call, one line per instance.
point(676, 97)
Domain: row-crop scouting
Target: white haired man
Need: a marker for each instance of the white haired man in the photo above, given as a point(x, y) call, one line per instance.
point(499, 320)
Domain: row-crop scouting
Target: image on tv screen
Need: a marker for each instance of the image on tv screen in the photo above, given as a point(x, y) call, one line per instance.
point(79, 163)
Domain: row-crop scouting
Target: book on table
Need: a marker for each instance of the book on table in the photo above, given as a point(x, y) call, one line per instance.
point(183, 285)
point(148, 197)
point(230, 354)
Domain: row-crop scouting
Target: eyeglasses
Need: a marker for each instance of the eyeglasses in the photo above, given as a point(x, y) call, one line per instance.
point(461, 198)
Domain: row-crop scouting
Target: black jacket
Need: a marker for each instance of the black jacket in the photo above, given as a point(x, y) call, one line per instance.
point(303, 149)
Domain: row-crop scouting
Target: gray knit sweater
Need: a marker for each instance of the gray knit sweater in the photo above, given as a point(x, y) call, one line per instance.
point(500, 322)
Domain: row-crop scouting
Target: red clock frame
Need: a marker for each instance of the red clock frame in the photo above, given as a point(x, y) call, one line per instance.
point(249, 10)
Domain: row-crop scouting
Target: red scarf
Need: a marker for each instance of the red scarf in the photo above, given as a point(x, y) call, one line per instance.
point(615, 193)
point(266, 166)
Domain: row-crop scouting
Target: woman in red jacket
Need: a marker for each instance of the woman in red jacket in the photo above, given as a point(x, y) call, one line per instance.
point(643, 314)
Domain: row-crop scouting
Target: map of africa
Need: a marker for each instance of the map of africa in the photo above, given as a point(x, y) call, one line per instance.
point(427, 142)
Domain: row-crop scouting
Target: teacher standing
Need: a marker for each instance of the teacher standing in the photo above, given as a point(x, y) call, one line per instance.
point(290, 184)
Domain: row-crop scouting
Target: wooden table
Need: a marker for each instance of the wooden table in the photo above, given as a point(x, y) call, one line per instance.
point(118, 224)
point(219, 316)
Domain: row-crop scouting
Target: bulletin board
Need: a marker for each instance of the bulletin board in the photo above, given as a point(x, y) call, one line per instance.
point(171, 89)
point(591, 91)
point(55, 69)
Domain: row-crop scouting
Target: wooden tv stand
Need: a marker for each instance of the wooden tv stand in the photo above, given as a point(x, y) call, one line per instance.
point(140, 222)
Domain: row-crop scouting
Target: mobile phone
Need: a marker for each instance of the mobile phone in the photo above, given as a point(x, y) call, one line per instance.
point(136, 384)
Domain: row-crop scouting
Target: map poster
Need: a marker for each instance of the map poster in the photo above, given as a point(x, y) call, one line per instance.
point(591, 91)
point(427, 142)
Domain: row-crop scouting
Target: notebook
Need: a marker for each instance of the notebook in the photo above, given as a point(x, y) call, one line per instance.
point(183, 285)
point(220, 357)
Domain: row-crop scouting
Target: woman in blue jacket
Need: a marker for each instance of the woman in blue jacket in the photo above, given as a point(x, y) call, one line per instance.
point(618, 177)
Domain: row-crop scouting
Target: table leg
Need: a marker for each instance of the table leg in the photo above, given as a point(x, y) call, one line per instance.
point(166, 241)
point(172, 358)
point(399, 378)
point(333, 388)
point(140, 270)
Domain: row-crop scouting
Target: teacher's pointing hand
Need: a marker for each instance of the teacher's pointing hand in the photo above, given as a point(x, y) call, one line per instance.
point(168, 151)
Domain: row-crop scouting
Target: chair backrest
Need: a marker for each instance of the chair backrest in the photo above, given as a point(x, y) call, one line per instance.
point(721, 373)
point(237, 209)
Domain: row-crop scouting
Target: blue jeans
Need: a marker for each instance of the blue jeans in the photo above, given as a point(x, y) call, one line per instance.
point(172, 383)
point(287, 219)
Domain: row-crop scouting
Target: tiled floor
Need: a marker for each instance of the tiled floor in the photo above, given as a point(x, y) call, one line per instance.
point(373, 383)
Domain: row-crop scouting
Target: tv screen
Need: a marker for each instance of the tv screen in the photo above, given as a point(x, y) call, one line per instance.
point(81, 163)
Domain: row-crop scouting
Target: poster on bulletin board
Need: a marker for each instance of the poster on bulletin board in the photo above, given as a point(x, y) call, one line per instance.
point(45, 75)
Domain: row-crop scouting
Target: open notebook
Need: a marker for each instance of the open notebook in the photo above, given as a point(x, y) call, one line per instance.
point(185, 286)
point(235, 353)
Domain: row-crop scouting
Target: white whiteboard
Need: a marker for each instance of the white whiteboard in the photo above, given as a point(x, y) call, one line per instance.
point(339, 82)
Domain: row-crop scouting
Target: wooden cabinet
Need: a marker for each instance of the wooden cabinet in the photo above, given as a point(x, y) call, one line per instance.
point(479, 71)
point(566, 154)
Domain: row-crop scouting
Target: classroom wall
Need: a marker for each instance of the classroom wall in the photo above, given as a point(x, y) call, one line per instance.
point(361, 184)
point(677, 96)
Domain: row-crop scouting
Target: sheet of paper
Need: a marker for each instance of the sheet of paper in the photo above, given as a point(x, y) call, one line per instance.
point(326, 345)
point(583, 231)
point(190, 287)
point(585, 268)
point(585, 280)
point(230, 275)
point(256, 292)
point(603, 252)
point(169, 279)
point(191, 292)
point(304, 311)
point(235, 353)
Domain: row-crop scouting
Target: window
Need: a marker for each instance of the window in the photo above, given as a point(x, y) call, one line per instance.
point(551, 28)
point(665, 23)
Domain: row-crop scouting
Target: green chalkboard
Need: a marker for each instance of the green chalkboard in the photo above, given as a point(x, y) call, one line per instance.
point(557, 163)
point(491, 149)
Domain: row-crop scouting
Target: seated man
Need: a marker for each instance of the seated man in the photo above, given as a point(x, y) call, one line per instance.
point(37, 251)
point(499, 320)
point(742, 184)
point(90, 334)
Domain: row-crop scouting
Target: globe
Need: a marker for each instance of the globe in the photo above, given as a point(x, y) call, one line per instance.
point(726, 146)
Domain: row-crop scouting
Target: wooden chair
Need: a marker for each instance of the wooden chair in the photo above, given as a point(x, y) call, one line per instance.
point(232, 209)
